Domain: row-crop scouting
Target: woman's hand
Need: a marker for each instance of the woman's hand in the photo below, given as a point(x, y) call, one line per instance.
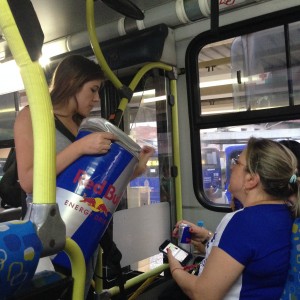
point(198, 234)
point(95, 143)
point(173, 262)
point(145, 154)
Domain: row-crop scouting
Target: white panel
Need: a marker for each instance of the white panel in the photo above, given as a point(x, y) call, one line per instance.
point(139, 231)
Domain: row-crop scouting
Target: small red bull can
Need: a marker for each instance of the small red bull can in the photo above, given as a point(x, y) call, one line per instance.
point(184, 237)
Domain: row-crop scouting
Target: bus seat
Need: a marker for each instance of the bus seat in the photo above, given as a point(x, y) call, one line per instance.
point(292, 286)
point(20, 251)
point(139, 231)
point(10, 214)
point(46, 285)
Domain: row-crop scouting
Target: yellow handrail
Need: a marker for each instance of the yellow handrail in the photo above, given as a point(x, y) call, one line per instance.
point(102, 61)
point(132, 282)
point(122, 106)
point(124, 101)
point(176, 152)
point(44, 180)
point(142, 287)
point(95, 45)
point(78, 268)
point(40, 108)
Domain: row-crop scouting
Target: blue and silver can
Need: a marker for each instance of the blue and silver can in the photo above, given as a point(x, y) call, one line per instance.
point(89, 190)
point(184, 237)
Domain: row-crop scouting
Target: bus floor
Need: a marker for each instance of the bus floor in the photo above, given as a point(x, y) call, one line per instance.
point(153, 291)
point(166, 290)
point(161, 289)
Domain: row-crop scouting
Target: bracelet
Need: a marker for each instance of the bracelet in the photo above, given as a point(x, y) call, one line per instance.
point(209, 235)
point(176, 269)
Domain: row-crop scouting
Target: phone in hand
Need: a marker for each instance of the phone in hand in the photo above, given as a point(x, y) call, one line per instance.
point(180, 254)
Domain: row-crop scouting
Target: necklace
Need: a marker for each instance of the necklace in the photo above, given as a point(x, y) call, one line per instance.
point(263, 202)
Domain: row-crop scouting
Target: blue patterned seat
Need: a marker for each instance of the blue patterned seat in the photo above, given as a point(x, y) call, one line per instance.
point(20, 251)
point(292, 286)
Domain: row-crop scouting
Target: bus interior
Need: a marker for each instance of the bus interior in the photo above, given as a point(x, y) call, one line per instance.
point(198, 79)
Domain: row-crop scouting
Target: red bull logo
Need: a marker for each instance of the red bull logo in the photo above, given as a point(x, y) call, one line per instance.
point(96, 204)
point(97, 187)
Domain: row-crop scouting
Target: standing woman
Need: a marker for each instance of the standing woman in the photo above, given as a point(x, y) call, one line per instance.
point(248, 256)
point(74, 93)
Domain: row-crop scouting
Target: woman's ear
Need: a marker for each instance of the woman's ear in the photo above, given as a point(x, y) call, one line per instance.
point(251, 181)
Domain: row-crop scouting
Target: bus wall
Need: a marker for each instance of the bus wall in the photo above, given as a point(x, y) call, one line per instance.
point(183, 35)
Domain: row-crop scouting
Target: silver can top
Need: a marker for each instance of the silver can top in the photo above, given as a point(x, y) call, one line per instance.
point(182, 225)
point(97, 124)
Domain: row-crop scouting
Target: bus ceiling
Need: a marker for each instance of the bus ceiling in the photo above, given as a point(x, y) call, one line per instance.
point(64, 22)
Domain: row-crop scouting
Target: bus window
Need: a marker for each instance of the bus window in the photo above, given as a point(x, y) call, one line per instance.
point(251, 71)
point(2, 163)
point(148, 121)
point(242, 86)
point(148, 183)
point(231, 152)
point(231, 141)
point(8, 115)
point(4, 152)
point(212, 174)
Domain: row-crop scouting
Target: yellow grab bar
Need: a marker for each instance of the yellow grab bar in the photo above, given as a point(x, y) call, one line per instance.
point(40, 108)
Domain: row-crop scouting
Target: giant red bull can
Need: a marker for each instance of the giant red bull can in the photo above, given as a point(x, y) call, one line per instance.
point(90, 189)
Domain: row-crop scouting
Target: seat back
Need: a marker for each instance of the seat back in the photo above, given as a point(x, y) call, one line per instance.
point(10, 214)
point(139, 231)
point(20, 251)
point(292, 286)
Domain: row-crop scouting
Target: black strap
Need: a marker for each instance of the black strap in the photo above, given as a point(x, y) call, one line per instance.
point(11, 158)
point(63, 129)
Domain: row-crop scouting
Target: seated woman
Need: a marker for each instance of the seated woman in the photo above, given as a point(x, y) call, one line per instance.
point(248, 255)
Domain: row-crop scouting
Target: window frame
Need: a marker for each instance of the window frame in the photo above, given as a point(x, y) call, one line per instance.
point(197, 121)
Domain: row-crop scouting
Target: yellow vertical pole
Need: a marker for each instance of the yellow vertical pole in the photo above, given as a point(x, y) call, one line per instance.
point(176, 150)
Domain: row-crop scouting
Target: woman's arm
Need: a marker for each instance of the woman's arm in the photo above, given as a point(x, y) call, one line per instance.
point(219, 274)
point(23, 136)
point(145, 154)
point(94, 143)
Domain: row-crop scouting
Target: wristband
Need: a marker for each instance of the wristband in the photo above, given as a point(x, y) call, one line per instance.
point(209, 235)
point(176, 269)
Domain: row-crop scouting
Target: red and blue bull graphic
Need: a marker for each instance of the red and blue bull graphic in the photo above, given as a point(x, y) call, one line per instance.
point(184, 237)
point(88, 193)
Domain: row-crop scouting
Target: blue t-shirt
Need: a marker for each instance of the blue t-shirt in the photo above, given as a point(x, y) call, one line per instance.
point(259, 238)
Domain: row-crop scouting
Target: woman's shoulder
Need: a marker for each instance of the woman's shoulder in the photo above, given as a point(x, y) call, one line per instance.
point(24, 113)
point(258, 215)
point(23, 120)
point(228, 219)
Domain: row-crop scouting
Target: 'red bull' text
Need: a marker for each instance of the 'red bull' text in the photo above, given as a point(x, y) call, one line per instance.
point(97, 187)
